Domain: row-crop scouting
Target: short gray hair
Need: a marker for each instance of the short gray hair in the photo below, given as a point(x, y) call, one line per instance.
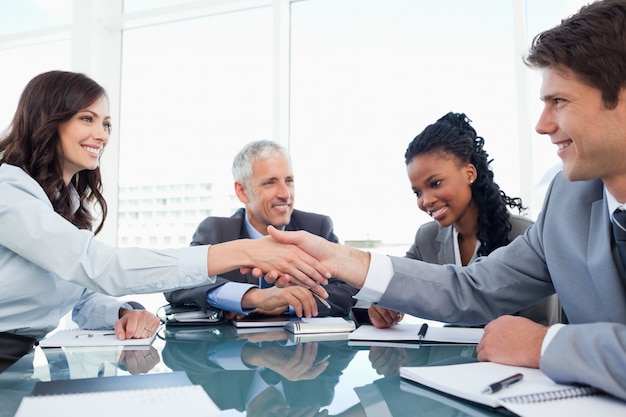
point(250, 154)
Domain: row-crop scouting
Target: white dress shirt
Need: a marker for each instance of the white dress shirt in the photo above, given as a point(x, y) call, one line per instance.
point(48, 267)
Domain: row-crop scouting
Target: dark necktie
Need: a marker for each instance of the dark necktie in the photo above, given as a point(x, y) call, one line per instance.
point(619, 233)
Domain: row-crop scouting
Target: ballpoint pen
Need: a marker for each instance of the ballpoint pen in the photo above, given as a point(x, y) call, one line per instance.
point(78, 336)
point(319, 297)
point(497, 386)
point(422, 332)
point(325, 358)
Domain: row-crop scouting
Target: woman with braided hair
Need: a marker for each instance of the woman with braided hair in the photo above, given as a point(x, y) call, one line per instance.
point(451, 177)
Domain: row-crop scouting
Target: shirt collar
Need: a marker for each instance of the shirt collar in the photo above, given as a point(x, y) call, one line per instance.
point(252, 232)
point(457, 249)
point(612, 203)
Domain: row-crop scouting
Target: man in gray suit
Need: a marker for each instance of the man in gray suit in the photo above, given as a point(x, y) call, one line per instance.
point(264, 183)
point(570, 250)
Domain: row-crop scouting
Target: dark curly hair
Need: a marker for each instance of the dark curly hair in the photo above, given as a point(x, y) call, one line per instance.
point(32, 142)
point(453, 135)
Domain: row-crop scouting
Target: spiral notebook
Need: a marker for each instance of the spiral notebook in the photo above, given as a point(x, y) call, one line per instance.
point(536, 395)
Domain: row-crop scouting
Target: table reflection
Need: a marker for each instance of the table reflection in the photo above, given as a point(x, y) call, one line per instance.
point(271, 373)
point(393, 397)
point(260, 373)
point(387, 360)
point(24, 366)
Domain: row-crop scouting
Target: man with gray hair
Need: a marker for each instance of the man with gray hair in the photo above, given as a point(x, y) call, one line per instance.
point(264, 183)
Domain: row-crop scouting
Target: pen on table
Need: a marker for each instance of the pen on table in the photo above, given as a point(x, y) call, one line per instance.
point(422, 333)
point(497, 386)
point(319, 297)
point(93, 335)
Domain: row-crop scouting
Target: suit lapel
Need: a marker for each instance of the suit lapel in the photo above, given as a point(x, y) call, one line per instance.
point(445, 241)
point(293, 223)
point(601, 261)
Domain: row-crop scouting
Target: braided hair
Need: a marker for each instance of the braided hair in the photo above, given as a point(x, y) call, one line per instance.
point(453, 135)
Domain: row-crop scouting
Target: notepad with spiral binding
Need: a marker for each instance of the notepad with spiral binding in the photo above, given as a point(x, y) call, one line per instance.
point(536, 395)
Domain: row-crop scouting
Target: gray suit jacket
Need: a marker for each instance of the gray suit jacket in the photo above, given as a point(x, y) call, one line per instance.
point(215, 230)
point(568, 250)
point(435, 244)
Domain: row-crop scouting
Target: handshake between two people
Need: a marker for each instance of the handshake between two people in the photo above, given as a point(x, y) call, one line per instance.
point(317, 261)
point(510, 340)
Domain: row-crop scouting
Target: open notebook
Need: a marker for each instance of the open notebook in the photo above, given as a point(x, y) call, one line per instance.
point(406, 335)
point(536, 395)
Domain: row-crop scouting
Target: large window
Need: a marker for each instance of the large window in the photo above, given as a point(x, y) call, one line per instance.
point(368, 75)
point(193, 93)
point(19, 16)
point(34, 37)
point(23, 63)
point(364, 77)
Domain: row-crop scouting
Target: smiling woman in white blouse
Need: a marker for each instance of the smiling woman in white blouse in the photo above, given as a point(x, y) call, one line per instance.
point(50, 186)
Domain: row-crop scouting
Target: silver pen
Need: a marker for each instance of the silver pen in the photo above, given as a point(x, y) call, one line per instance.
point(319, 297)
point(78, 336)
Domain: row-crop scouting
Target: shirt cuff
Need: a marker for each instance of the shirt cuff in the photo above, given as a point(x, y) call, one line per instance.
point(552, 331)
point(193, 263)
point(132, 305)
point(228, 296)
point(377, 279)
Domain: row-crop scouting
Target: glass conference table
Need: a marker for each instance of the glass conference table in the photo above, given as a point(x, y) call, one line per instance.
point(262, 373)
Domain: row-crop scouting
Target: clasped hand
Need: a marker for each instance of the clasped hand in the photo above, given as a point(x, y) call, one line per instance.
point(274, 301)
